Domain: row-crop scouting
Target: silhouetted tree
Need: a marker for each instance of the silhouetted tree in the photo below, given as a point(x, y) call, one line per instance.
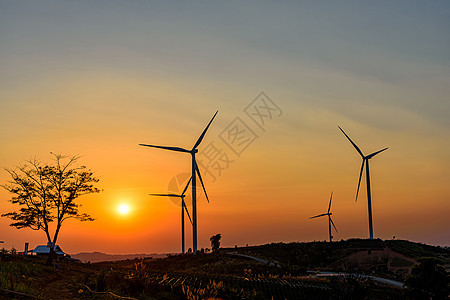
point(215, 242)
point(428, 279)
point(47, 193)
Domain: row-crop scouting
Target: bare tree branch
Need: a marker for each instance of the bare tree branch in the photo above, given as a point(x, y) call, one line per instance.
point(47, 193)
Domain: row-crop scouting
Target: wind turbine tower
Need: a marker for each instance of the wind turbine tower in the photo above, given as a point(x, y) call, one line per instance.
point(365, 162)
point(330, 221)
point(195, 172)
point(183, 209)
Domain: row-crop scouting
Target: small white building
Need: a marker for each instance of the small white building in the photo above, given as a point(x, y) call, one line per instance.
point(44, 250)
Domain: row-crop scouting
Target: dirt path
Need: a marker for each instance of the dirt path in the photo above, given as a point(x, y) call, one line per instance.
point(58, 285)
point(396, 262)
point(255, 258)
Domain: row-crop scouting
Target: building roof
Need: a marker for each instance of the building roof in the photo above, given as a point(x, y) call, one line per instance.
point(43, 249)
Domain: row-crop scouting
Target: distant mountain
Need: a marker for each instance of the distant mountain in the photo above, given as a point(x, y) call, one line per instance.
point(99, 256)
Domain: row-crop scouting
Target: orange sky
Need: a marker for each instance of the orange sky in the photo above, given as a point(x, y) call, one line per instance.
point(99, 85)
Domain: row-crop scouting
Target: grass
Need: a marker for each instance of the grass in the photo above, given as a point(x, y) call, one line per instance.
point(312, 254)
point(401, 263)
point(416, 250)
point(219, 275)
point(20, 276)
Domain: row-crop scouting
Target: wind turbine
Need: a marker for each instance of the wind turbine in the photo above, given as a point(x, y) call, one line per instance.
point(330, 221)
point(183, 208)
point(366, 163)
point(195, 171)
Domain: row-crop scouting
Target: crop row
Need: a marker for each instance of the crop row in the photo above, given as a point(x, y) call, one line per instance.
point(249, 288)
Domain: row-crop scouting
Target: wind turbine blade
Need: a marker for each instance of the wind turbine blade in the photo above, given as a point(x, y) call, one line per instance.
point(178, 149)
point(204, 132)
point(375, 153)
point(321, 215)
point(354, 145)
point(359, 181)
point(201, 181)
point(333, 224)
point(185, 188)
point(187, 212)
point(329, 205)
point(167, 195)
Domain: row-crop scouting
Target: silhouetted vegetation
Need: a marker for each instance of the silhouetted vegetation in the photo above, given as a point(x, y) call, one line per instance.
point(225, 276)
point(215, 242)
point(312, 254)
point(417, 250)
point(47, 193)
point(428, 279)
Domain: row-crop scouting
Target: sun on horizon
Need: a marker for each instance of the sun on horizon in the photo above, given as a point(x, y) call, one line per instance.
point(123, 209)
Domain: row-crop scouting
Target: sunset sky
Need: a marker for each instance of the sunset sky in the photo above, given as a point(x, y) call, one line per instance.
point(96, 78)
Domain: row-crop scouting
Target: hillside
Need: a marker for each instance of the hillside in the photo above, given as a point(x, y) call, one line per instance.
point(391, 258)
point(225, 275)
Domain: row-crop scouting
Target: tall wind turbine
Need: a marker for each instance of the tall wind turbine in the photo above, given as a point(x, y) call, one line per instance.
point(330, 221)
point(183, 208)
point(195, 171)
point(365, 161)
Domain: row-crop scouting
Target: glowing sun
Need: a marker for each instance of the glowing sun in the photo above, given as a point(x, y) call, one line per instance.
point(123, 209)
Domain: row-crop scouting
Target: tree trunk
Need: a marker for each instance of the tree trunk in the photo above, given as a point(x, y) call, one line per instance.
point(50, 256)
